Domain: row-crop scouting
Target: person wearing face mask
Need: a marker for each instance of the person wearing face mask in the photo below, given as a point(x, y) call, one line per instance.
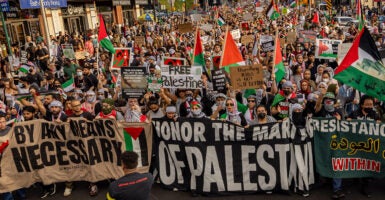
point(79, 78)
point(91, 104)
point(155, 111)
point(219, 107)
point(297, 116)
point(77, 94)
point(325, 107)
point(133, 112)
point(365, 113)
point(282, 101)
point(310, 105)
point(196, 110)
point(101, 94)
point(261, 116)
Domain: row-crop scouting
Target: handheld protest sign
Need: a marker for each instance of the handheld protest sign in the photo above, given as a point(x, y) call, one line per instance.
point(68, 51)
point(133, 81)
point(121, 58)
point(246, 77)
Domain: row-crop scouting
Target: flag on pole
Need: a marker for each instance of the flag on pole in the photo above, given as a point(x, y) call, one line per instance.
point(278, 62)
point(69, 85)
point(362, 67)
point(220, 20)
point(231, 55)
point(360, 17)
point(272, 11)
point(103, 37)
point(293, 3)
point(199, 58)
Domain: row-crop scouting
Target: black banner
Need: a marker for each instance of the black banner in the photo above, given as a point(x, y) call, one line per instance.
point(215, 157)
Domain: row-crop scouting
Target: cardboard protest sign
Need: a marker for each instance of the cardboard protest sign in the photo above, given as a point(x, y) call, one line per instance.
point(121, 58)
point(68, 51)
point(53, 48)
point(80, 55)
point(307, 36)
point(247, 17)
point(343, 49)
point(79, 150)
point(173, 61)
point(291, 37)
point(185, 28)
point(246, 39)
point(219, 80)
point(245, 77)
point(187, 77)
point(327, 49)
point(134, 82)
point(236, 34)
point(140, 40)
point(282, 42)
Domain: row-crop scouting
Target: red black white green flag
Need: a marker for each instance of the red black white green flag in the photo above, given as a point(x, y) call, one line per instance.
point(362, 67)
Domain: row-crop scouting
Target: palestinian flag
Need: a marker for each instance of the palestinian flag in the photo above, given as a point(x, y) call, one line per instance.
point(360, 17)
point(362, 68)
point(69, 85)
point(293, 4)
point(278, 62)
point(199, 58)
point(103, 37)
point(272, 11)
point(231, 56)
point(315, 19)
point(220, 20)
point(24, 68)
point(135, 140)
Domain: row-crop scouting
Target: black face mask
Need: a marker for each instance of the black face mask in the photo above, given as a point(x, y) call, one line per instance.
point(310, 107)
point(368, 110)
point(261, 115)
point(298, 119)
point(287, 92)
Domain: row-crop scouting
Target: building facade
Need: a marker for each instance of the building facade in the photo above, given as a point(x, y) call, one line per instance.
point(78, 17)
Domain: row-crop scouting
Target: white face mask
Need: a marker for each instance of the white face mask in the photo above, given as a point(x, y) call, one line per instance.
point(79, 73)
point(325, 80)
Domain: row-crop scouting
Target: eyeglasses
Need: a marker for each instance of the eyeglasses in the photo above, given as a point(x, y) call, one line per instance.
point(229, 104)
point(251, 101)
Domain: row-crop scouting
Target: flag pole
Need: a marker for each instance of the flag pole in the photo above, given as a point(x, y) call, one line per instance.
point(275, 51)
point(223, 47)
point(195, 45)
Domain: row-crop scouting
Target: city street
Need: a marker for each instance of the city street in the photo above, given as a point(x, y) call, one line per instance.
point(351, 191)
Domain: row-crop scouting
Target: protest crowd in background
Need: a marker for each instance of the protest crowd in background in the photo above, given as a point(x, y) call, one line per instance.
point(166, 73)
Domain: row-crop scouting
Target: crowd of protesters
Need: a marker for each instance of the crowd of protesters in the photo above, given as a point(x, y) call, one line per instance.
point(308, 88)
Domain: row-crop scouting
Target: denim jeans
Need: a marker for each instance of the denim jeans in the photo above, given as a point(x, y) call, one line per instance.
point(19, 192)
point(337, 184)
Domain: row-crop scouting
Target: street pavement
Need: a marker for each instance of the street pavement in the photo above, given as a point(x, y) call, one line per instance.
point(351, 190)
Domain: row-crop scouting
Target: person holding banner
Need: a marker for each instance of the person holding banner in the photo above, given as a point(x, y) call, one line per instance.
point(132, 185)
point(232, 114)
point(196, 110)
point(365, 113)
point(4, 129)
point(325, 107)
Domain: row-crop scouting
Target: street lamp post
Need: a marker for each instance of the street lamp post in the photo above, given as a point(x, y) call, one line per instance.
point(45, 23)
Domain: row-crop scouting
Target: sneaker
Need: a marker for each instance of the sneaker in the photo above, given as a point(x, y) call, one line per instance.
point(67, 191)
point(44, 194)
point(52, 190)
point(93, 190)
point(175, 189)
point(305, 194)
point(338, 194)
